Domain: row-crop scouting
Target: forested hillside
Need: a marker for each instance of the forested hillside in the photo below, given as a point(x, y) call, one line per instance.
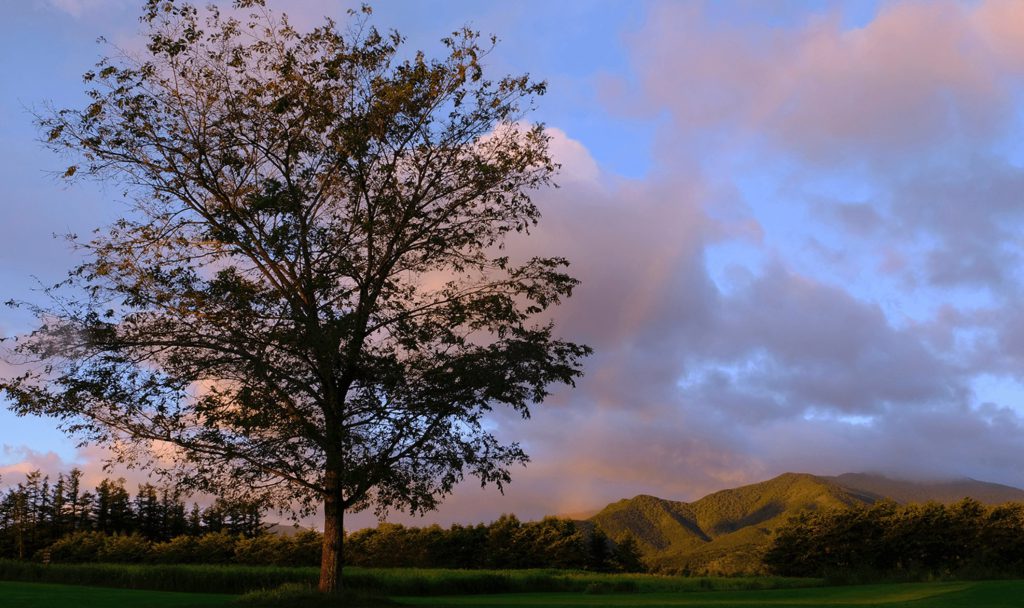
point(887, 540)
point(728, 532)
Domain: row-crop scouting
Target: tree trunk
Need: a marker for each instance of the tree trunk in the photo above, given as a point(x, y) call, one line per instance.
point(330, 561)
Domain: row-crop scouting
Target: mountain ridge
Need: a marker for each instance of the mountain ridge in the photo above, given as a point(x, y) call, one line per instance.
point(726, 532)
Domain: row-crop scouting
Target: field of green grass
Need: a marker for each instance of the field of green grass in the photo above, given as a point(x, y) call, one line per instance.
point(192, 578)
point(213, 578)
point(44, 595)
point(424, 581)
point(151, 586)
point(987, 594)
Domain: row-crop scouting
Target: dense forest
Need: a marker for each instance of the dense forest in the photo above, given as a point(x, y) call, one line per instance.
point(504, 544)
point(891, 541)
point(63, 522)
point(79, 524)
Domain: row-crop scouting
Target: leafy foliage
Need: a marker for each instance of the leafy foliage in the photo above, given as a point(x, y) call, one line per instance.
point(506, 543)
point(887, 540)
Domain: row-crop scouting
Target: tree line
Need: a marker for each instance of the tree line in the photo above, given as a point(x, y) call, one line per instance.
point(70, 523)
point(38, 512)
point(891, 541)
point(506, 543)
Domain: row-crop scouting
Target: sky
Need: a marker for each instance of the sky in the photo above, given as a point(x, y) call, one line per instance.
point(799, 228)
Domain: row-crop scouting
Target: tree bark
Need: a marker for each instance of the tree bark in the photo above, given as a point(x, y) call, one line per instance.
point(334, 519)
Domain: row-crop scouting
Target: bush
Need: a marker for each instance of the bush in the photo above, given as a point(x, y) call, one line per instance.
point(124, 548)
point(265, 550)
point(302, 549)
point(305, 548)
point(179, 550)
point(215, 548)
point(77, 547)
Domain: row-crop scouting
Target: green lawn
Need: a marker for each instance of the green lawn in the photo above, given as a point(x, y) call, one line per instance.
point(440, 581)
point(45, 595)
point(986, 594)
point(989, 594)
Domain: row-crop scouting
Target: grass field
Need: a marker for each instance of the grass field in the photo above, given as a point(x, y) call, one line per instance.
point(192, 578)
point(153, 585)
point(423, 581)
point(987, 594)
point(213, 578)
point(40, 595)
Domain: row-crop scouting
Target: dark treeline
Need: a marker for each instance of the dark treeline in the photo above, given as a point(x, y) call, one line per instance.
point(503, 544)
point(887, 540)
point(38, 512)
point(68, 523)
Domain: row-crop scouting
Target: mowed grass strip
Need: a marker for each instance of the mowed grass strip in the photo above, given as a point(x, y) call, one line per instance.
point(987, 594)
point(45, 595)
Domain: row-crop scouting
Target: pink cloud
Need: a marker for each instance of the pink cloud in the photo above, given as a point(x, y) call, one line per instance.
point(917, 74)
point(19, 460)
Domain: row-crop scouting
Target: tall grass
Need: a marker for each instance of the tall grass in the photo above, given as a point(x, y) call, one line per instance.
point(415, 581)
point(225, 578)
point(195, 578)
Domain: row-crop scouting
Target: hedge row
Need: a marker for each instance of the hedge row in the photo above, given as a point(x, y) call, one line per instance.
point(302, 549)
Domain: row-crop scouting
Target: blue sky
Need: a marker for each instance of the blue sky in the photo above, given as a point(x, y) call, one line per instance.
point(798, 225)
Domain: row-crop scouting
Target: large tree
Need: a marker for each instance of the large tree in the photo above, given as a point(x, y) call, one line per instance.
point(309, 301)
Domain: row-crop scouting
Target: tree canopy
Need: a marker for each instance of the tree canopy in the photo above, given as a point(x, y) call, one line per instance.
point(309, 302)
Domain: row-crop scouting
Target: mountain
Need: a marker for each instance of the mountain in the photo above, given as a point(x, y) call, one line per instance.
point(726, 532)
point(923, 491)
point(280, 529)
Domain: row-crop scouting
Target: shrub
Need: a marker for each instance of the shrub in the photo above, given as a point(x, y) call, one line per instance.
point(179, 550)
point(124, 548)
point(77, 547)
point(215, 548)
point(305, 548)
point(264, 550)
point(302, 549)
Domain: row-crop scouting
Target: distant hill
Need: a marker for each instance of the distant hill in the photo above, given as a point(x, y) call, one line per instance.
point(923, 491)
point(726, 532)
point(279, 529)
